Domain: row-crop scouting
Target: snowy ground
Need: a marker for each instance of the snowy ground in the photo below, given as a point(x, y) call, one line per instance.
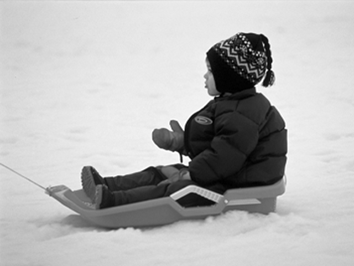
point(84, 83)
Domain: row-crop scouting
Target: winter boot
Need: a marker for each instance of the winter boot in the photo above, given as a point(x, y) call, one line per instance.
point(103, 197)
point(90, 178)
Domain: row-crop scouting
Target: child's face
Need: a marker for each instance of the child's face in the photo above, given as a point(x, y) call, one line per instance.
point(210, 81)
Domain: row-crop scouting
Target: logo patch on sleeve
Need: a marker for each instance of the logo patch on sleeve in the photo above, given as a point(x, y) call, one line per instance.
point(203, 120)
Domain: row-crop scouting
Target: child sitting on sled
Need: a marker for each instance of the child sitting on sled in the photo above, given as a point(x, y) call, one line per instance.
point(237, 140)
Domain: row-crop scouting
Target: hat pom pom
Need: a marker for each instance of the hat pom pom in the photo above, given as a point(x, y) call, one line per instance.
point(269, 79)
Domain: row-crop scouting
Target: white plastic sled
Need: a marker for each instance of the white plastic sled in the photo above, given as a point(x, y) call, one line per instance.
point(166, 210)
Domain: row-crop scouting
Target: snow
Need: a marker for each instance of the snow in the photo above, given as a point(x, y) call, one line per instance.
point(85, 83)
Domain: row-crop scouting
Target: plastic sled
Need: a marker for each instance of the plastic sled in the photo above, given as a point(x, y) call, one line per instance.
point(166, 210)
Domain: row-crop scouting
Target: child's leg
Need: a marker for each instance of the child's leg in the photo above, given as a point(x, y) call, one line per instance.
point(90, 178)
point(106, 198)
point(147, 177)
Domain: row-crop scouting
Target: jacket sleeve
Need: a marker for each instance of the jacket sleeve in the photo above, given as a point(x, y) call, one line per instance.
point(235, 138)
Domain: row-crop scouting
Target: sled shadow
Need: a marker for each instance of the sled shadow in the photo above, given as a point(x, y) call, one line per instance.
point(77, 221)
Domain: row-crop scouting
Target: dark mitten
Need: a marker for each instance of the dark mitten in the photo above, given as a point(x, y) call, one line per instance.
point(169, 140)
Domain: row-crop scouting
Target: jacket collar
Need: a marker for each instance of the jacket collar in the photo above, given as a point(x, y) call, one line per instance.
point(237, 95)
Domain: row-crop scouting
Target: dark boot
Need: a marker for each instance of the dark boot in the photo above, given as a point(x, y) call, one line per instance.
point(103, 197)
point(90, 178)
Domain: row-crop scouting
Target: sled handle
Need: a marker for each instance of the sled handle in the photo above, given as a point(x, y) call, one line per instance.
point(210, 195)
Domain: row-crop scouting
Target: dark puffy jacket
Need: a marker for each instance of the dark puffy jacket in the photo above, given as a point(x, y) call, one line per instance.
point(237, 141)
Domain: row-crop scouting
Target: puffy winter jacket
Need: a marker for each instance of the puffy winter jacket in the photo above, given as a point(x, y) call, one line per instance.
point(237, 141)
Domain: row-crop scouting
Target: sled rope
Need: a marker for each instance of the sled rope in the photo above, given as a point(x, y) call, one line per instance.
point(17, 173)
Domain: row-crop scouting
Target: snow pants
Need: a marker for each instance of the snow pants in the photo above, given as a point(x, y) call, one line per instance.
point(144, 185)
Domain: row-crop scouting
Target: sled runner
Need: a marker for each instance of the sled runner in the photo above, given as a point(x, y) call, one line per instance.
point(166, 210)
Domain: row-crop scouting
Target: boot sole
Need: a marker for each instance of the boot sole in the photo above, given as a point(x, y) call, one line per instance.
point(88, 183)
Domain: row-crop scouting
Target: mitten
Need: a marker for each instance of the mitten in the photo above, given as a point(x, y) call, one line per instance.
point(169, 140)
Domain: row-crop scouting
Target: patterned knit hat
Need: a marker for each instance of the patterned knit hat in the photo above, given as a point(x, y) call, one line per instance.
point(241, 62)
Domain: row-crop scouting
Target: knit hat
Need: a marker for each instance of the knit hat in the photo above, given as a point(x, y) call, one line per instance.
point(241, 62)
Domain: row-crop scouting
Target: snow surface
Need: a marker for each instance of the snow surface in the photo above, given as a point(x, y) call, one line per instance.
point(85, 83)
